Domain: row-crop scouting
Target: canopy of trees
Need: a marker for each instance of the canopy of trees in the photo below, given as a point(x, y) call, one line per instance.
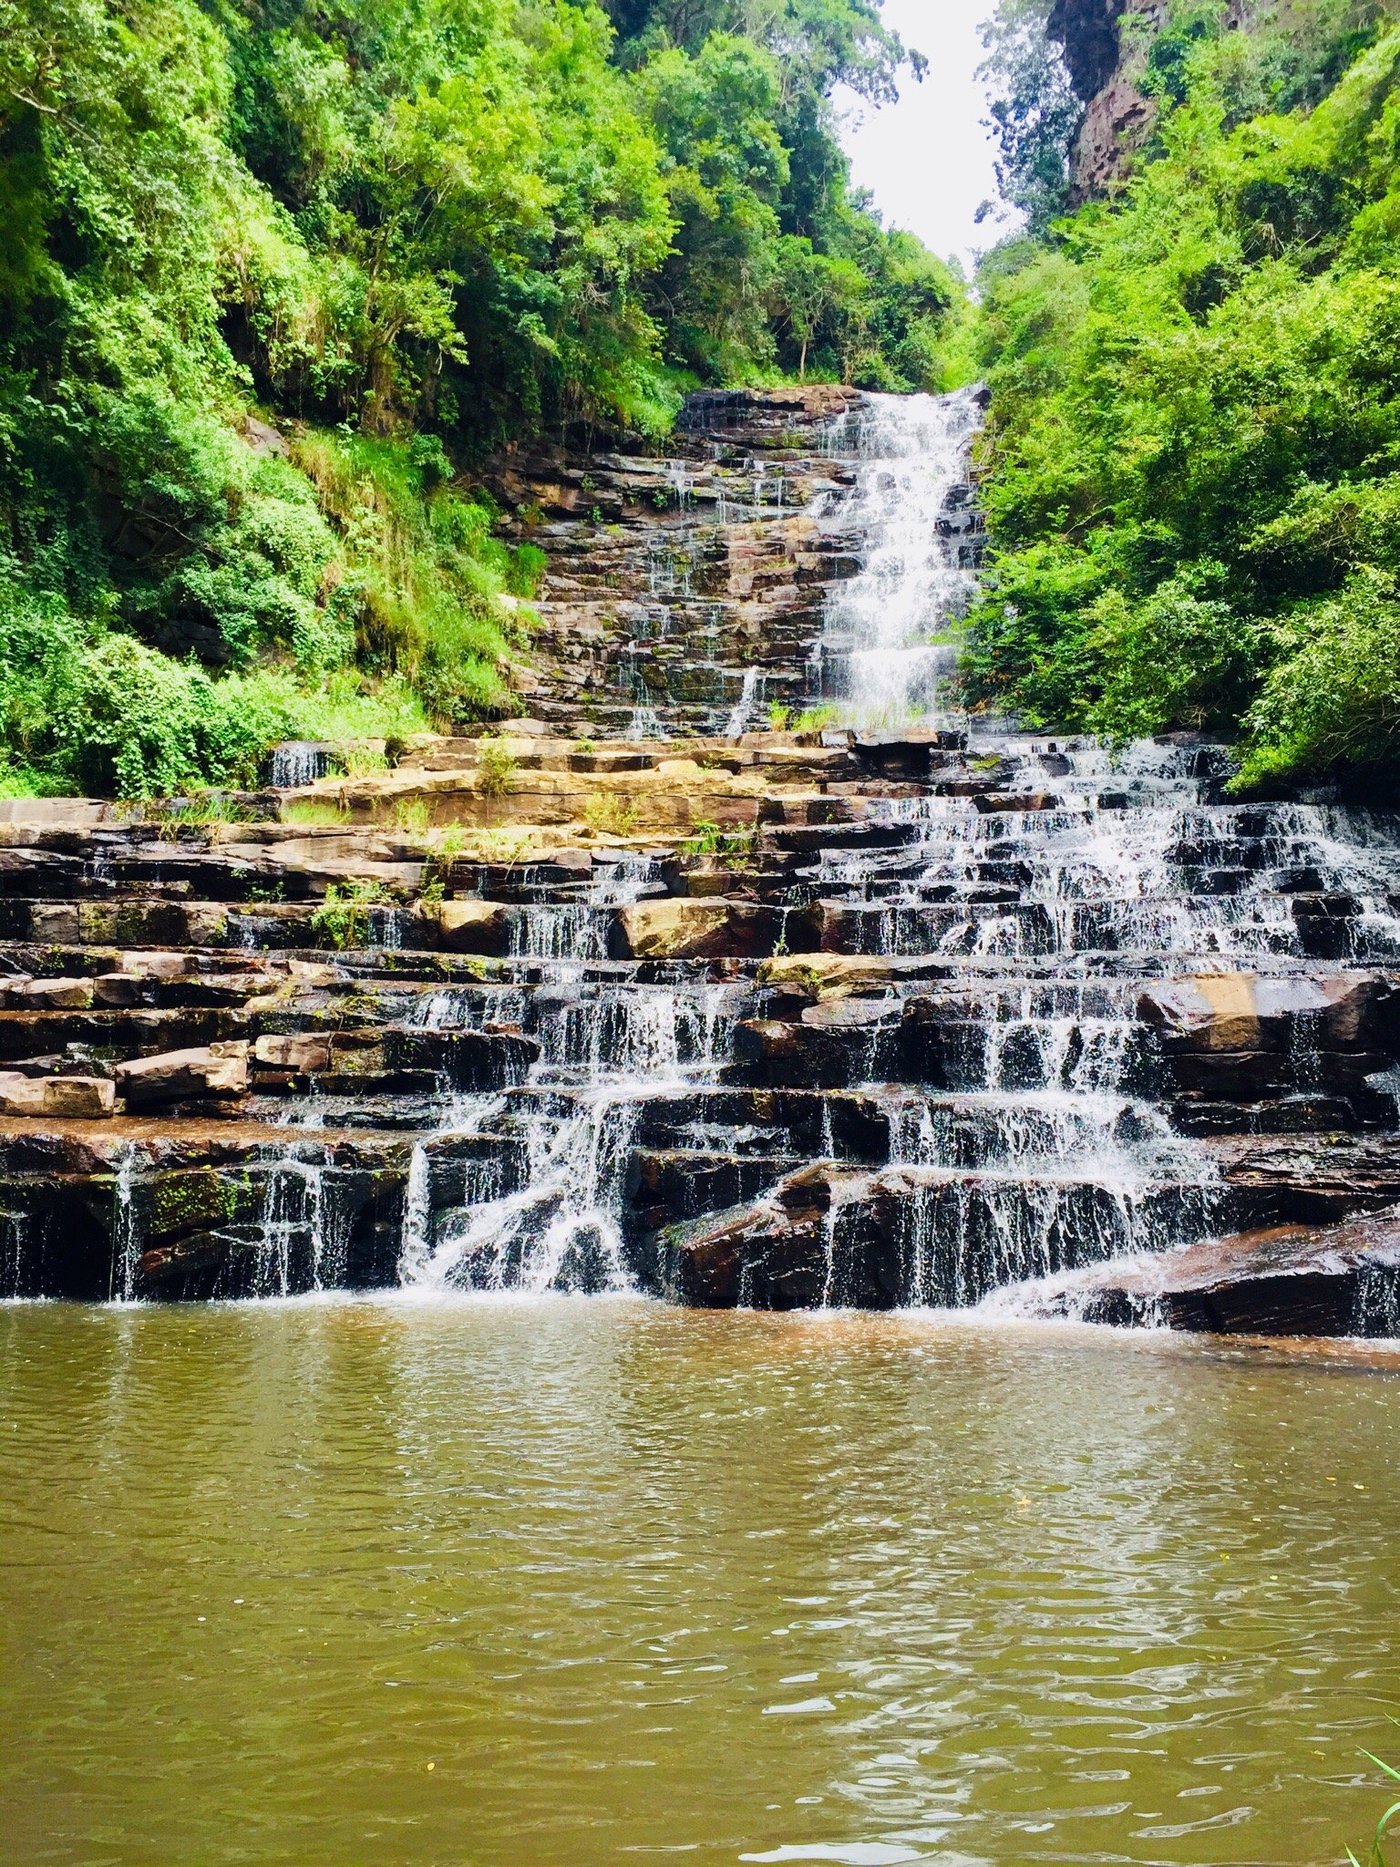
point(1192, 465)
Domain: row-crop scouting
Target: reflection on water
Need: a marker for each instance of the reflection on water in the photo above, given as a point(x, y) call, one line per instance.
point(562, 1583)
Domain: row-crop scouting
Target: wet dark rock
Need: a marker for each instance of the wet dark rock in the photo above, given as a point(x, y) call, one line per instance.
point(771, 1255)
point(831, 1047)
point(1279, 1281)
point(466, 1060)
point(1015, 800)
point(1307, 1179)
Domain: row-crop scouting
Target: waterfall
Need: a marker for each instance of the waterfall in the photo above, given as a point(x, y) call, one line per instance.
point(607, 1045)
point(126, 1238)
point(887, 639)
point(903, 1014)
point(296, 762)
point(741, 716)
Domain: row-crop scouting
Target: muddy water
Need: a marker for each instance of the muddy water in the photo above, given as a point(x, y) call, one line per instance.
point(562, 1583)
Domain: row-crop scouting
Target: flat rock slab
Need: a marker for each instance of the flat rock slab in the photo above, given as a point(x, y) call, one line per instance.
point(77, 1097)
point(206, 1070)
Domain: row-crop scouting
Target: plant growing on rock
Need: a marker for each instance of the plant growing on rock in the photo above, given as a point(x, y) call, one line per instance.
point(501, 845)
point(198, 811)
point(732, 847)
point(437, 870)
point(815, 719)
point(608, 814)
point(316, 813)
point(343, 917)
point(497, 768)
point(412, 813)
point(362, 761)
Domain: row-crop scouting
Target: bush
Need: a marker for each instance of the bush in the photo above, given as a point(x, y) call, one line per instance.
point(344, 916)
point(1189, 471)
point(496, 769)
point(1333, 697)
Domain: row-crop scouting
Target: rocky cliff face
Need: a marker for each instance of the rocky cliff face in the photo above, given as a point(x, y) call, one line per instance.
point(1105, 61)
point(684, 591)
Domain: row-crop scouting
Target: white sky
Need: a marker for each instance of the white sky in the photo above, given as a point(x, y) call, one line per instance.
point(927, 160)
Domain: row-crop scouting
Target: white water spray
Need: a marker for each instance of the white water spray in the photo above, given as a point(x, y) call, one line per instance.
point(888, 640)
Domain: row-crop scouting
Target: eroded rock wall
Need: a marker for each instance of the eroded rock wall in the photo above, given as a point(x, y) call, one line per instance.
point(686, 587)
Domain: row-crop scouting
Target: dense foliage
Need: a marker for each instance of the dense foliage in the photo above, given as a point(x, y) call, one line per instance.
point(275, 274)
point(1192, 466)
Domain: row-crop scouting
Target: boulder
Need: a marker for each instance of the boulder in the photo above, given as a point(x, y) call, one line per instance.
point(1239, 1011)
point(473, 927)
point(119, 991)
point(697, 928)
point(135, 973)
point(304, 1053)
point(52, 995)
point(819, 977)
point(988, 801)
point(771, 1255)
point(831, 1047)
point(164, 966)
point(211, 1070)
point(467, 1060)
point(71, 1097)
point(675, 929)
point(809, 1242)
point(1305, 1179)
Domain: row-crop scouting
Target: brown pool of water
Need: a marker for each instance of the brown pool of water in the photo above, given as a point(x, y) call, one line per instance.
point(565, 1583)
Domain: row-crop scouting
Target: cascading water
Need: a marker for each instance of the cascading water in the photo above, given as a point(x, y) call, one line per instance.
point(744, 708)
point(545, 1212)
point(886, 641)
point(297, 762)
point(126, 1241)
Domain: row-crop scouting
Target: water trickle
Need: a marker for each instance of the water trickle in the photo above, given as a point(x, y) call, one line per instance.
point(14, 1228)
point(416, 1247)
point(750, 694)
point(126, 1236)
point(297, 762)
point(300, 1240)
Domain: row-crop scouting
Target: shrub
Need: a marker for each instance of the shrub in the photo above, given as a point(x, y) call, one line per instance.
point(732, 847)
point(816, 719)
point(608, 814)
point(496, 769)
point(343, 917)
